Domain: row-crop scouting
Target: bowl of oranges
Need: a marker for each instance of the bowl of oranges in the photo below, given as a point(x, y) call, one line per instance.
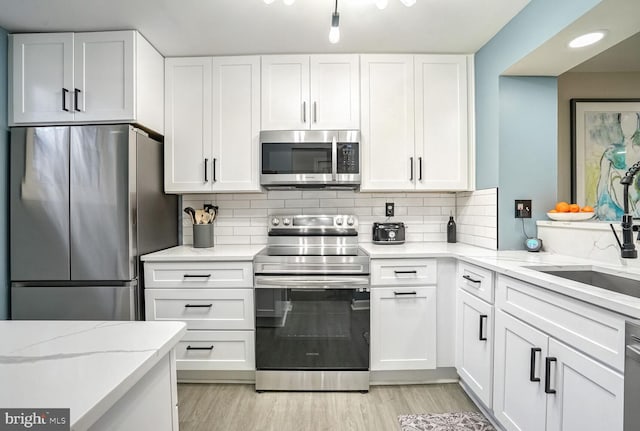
point(570, 212)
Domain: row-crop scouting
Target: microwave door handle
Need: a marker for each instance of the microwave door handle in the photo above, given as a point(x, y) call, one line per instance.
point(334, 158)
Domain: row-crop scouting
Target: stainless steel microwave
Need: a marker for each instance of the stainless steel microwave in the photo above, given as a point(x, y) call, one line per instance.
point(310, 159)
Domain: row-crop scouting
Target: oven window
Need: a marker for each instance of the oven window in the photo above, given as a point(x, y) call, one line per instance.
point(302, 158)
point(309, 329)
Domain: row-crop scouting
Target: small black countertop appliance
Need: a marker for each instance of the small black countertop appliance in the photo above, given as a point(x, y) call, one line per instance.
point(388, 233)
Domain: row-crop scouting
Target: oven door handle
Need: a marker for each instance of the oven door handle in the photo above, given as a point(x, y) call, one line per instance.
point(306, 282)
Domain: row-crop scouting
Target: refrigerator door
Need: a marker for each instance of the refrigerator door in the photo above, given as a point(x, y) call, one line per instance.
point(39, 203)
point(102, 200)
point(73, 302)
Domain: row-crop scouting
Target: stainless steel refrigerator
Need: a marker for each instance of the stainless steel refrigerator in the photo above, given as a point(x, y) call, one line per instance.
point(85, 203)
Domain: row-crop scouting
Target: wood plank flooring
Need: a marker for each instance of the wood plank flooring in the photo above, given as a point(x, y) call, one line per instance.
point(231, 407)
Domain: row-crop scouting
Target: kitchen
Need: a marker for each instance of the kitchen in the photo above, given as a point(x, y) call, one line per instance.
point(242, 217)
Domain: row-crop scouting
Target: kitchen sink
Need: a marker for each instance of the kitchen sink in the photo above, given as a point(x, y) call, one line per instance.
point(603, 280)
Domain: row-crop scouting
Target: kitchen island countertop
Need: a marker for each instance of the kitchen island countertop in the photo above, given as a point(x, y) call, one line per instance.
point(86, 366)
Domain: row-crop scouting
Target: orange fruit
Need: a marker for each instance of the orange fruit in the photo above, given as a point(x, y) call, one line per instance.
point(574, 208)
point(562, 207)
point(587, 209)
point(553, 211)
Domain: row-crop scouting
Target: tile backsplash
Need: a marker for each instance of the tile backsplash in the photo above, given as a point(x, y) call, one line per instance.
point(242, 217)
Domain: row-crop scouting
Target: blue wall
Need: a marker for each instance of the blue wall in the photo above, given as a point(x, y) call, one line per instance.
point(510, 137)
point(4, 172)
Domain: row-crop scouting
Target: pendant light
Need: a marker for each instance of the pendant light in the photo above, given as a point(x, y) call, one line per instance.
point(334, 32)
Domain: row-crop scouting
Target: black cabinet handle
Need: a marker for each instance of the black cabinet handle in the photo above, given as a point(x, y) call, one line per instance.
point(406, 272)
point(532, 369)
point(411, 163)
point(419, 168)
point(75, 99)
point(198, 305)
point(481, 336)
point(405, 293)
point(64, 99)
point(196, 275)
point(214, 170)
point(473, 280)
point(206, 162)
point(547, 375)
point(200, 348)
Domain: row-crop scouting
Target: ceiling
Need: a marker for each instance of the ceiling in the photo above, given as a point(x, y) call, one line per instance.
point(623, 57)
point(224, 27)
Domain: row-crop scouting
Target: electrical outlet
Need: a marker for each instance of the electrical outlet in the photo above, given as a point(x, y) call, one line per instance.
point(523, 208)
point(389, 209)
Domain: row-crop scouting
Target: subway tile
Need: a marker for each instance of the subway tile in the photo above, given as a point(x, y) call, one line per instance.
point(259, 221)
point(233, 221)
point(253, 212)
point(301, 203)
point(233, 239)
point(237, 204)
point(284, 194)
point(336, 203)
point(426, 211)
point(268, 203)
point(319, 194)
point(253, 230)
point(319, 211)
point(250, 196)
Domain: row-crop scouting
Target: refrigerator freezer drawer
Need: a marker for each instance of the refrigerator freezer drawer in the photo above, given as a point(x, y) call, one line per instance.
point(76, 302)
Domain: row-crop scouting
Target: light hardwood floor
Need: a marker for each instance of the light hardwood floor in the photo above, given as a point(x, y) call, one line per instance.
point(235, 407)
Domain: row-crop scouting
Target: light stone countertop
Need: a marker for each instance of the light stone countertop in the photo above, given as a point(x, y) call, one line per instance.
point(188, 253)
point(86, 366)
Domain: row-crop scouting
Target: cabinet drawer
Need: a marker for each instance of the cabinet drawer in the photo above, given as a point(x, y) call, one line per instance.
point(202, 308)
point(597, 332)
point(198, 274)
point(216, 350)
point(476, 280)
point(403, 272)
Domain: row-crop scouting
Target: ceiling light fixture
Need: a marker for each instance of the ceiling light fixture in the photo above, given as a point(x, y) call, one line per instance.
point(287, 2)
point(587, 39)
point(382, 4)
point(334, 32)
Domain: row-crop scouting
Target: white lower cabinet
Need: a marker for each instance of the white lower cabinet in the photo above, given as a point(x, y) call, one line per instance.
point(215, 300)
point(403, 328)
point(474, 345)
point(541, 384)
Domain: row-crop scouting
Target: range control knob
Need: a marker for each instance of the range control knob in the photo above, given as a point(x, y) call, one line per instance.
point(286, 221)
point(350, 221)
point(275, 221)
point(339, 221)
point(392, 234)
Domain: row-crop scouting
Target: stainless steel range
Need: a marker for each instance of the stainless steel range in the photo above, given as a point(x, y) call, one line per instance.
point(312, 305)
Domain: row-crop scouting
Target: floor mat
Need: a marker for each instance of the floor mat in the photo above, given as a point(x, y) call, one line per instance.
point(458, 421)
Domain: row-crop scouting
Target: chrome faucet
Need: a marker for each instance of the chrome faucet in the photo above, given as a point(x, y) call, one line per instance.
point(627, 247)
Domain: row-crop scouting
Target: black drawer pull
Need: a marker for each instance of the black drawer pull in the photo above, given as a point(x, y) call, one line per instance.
point(200, 348)
point(481, 336)
point(405, 293)
point(473, 280)
point(197, 275)
point(198, 305)
point(532, 369)
point(75, 100)
point(547, 375)
point(406, 272)
point(64, 99)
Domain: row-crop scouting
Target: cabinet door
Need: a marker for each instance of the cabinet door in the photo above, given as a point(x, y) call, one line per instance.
point(519, 400)
point(236, 123)
point(335, 92)
point(103, 72)
point(403, 328)
point(285, 92)
point(589, 395)
point(474, 345)
point(188, 117)
point(42, 77)
point(388, 161)
point(441, 122)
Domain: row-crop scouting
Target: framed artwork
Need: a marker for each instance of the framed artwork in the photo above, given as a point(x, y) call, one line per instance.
point(605, 142)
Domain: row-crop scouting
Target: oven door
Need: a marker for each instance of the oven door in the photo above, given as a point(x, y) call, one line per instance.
point(312, 323)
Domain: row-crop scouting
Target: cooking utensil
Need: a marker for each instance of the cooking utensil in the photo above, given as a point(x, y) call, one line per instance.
point(211, 209)
point(200, 216)
point(206, 218)
point(192, 214)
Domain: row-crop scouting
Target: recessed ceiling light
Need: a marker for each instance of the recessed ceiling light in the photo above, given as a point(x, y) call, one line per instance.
point(587, 39)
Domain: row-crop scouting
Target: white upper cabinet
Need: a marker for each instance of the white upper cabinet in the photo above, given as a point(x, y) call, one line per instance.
point(212, 114)
point(387, 122)
point(42, 73)
point(441, 122)
point(310, 92)
point(415, 129)
point(86, 77)
point(188, 119)
point(236, 123)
